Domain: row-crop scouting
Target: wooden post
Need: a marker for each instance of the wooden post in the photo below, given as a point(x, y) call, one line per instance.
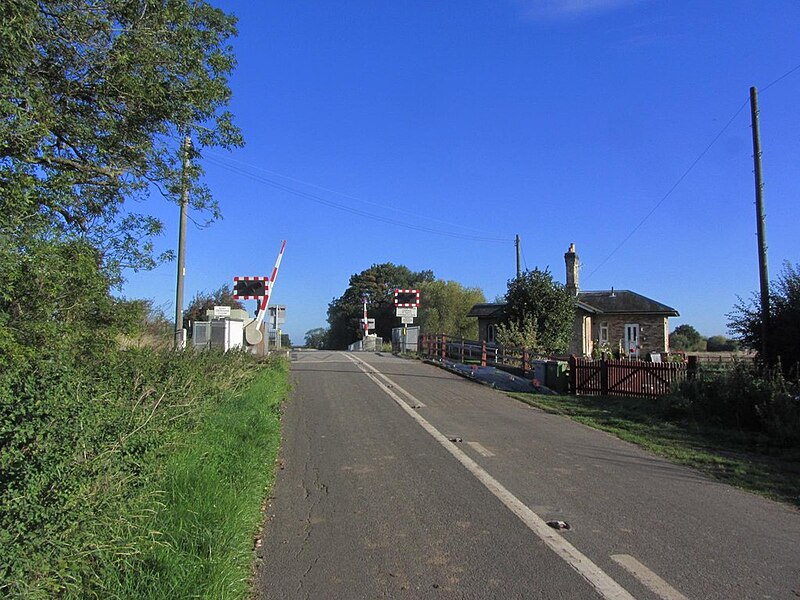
point(573, 375)
point(483, 353)
point(462, 350)
point(525, 361)
point(761, 228)
point(691, 367)
point(604, 377)
point(444, 347)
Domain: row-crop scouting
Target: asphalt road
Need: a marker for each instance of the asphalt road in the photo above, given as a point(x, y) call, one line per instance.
point(400, 480)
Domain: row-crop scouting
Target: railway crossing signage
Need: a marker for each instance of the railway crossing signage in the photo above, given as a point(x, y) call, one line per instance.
point(250, 288)
point(406, 298)
point(406, 303)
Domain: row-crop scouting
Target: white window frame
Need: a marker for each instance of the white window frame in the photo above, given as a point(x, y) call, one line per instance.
point(602, 333)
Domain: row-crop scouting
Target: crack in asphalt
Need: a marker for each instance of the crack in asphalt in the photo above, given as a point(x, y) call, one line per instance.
point(314, 493)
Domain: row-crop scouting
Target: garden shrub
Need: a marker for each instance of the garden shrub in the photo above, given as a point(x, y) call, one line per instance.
point(743, 397)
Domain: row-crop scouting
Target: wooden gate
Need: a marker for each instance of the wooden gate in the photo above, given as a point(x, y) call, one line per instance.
point(623, 377)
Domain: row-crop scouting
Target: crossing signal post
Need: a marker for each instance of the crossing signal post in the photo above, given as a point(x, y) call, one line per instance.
point(258, 289)
point(406, 303)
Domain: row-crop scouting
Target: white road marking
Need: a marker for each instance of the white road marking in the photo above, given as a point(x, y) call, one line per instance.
point(599, 579)
point(480, 449)
point(388, 382)
point(650, 580)
point(303, 361)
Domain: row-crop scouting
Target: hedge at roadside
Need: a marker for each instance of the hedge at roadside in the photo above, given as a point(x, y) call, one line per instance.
point(87, 462)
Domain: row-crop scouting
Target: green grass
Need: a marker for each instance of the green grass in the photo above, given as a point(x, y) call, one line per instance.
point(211, 495)
point(663, 427)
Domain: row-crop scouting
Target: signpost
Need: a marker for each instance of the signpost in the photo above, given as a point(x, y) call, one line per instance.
point(406, 303)
point(222, 311)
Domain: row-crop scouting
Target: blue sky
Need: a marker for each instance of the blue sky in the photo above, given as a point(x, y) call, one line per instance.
point(461, 124)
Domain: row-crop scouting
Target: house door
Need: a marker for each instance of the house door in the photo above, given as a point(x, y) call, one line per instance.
point(632, 340)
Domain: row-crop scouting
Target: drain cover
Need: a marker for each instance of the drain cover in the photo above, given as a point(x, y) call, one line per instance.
point(559, 525)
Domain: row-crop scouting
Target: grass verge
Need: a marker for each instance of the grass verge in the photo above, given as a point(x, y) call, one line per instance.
point(739, 458)
point(212, 490)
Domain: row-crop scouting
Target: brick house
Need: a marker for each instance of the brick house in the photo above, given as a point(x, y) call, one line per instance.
point(614, 320)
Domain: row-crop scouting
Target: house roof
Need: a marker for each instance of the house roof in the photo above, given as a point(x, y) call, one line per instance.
point(598, 302)
point(623, 301)
point(489, 309)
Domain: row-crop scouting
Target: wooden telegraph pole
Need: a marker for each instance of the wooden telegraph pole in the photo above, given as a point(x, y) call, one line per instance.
point(760, 224)
point(180, 339)
point(519, 267)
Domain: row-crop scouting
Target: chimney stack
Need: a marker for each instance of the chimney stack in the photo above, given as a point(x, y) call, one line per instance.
point(572, 270)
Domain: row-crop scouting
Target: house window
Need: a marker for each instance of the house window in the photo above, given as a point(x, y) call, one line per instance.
point(490, 333)
point(603, 338)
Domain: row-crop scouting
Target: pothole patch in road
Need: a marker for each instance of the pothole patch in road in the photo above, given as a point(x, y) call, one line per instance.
point(560, 525)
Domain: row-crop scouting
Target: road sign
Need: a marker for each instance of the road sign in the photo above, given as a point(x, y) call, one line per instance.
point(407, 320)
point(406, 311)
point(406, 297)
point(222, 311)
point(250, 288)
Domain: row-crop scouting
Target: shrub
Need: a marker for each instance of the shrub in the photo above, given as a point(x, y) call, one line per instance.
point(743, 397)
point(79, 442)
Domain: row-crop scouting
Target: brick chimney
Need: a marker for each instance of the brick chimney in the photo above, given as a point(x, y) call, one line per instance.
point(572, 270)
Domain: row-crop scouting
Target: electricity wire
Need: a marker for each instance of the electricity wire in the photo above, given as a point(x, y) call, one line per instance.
point(685, 174)
point(338, 193)
point(349, 209)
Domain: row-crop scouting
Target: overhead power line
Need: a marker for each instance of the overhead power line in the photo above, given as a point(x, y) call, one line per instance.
point(351, 210)
point(685, 174)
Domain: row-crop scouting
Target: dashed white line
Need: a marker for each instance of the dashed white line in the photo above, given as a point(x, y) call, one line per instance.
point(650, 580)
point(480, 449)
point(602, 582)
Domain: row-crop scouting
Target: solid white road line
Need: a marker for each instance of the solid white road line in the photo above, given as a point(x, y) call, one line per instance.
point(303, 361)
point(372, 370)
point(650, 580)
point(601, 581)
point(480, 449)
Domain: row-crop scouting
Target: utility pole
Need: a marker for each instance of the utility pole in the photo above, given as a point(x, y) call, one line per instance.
point(180, 334)
point(761, 226)
point(519, 268)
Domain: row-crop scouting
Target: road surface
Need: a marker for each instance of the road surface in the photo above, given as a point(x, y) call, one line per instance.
point(400, 480)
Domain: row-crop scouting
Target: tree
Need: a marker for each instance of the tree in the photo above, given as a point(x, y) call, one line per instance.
point(378, 283)
point(444, 306)
point(316, 338)
point(783, 329)
point(687, 338)
point(205, 301)
point(95, 98)
point(542, 309)
point(719, 343)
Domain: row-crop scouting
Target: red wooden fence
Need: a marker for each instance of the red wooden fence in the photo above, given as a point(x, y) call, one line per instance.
point(623, 377)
